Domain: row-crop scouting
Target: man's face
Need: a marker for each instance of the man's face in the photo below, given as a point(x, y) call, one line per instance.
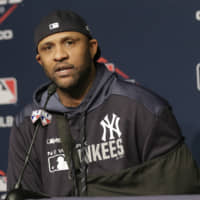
point(67, 58)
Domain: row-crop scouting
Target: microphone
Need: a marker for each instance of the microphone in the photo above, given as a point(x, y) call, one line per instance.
point(50, 91)
point(18, 193)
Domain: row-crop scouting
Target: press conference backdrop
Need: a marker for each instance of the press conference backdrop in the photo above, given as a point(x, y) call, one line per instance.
point(156, 43)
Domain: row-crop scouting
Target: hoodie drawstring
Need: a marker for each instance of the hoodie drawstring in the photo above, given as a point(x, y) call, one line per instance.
point(76, 171)
point(83, 160)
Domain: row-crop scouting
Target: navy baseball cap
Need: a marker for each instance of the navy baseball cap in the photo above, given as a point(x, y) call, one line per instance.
point(61, 21)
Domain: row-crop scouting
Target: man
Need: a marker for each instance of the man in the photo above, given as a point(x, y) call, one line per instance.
point(98, 135)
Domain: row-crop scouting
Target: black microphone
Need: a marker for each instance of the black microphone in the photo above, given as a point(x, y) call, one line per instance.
point(50, 91)
point(17, 193)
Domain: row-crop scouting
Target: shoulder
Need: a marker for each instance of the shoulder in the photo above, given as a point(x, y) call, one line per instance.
point(141, 95)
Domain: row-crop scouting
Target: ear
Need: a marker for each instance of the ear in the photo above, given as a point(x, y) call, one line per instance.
point(38, 58)
point(93, 47)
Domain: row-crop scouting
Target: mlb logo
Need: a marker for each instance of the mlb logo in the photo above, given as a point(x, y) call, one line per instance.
point(57, 163)
point(54, 26)
point(8, 91)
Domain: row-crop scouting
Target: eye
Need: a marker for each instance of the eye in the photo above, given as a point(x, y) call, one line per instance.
point(69, 43)
point(47, 47)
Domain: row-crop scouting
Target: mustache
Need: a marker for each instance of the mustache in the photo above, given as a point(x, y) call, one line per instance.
point(63, 66)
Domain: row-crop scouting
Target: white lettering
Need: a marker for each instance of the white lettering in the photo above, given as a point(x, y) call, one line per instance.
point(6, 35)
point(53, 140)
point(14, 1)
point(5, 2)
point(113, 148)
point(120, 147)
point(54, 152)
point(105, 151)
point(6, 122)
point(95, 152)
point(197, 15)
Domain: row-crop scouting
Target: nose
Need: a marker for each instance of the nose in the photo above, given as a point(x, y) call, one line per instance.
point(60, 54)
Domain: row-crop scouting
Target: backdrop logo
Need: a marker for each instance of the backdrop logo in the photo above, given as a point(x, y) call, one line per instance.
point(8, 8)
point(8, 91)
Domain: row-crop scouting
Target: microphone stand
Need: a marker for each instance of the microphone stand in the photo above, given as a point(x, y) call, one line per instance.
point(18, 193)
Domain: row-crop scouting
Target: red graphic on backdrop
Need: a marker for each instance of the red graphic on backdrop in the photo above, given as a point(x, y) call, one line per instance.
point(111, 67)
point(7, 13)
point(11, 84)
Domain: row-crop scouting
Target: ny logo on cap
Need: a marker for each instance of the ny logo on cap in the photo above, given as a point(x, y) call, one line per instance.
point(54, 25)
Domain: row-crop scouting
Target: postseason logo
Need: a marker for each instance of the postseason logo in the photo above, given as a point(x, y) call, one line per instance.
point(8, 91)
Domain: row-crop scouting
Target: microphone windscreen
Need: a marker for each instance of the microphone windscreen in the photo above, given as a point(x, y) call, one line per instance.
point(51, 89)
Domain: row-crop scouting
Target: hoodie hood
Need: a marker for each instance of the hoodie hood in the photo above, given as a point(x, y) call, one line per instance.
point(96, 95)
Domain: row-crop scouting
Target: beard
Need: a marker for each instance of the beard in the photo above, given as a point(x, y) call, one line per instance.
point(79, 81)
point(75, 83)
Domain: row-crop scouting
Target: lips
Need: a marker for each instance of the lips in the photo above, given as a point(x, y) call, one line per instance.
point(64, 69)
